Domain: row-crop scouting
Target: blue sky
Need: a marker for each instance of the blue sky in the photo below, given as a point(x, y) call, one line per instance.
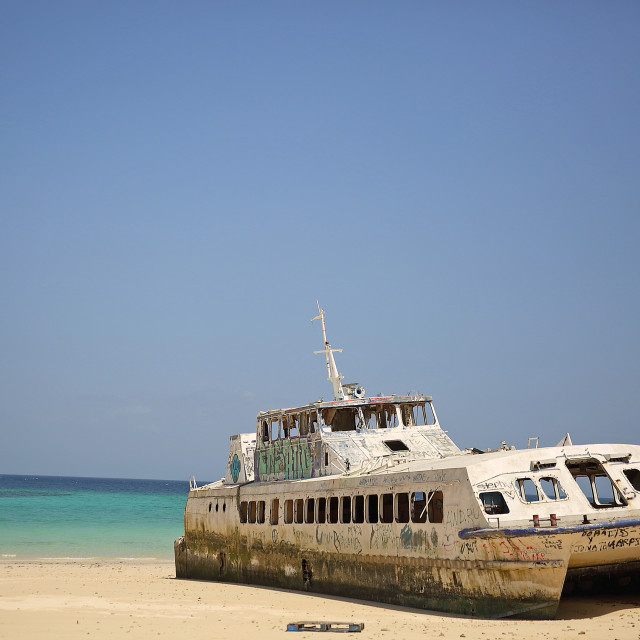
point(457, 183)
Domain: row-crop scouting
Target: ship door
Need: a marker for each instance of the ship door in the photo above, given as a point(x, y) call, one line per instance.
point(595, 483)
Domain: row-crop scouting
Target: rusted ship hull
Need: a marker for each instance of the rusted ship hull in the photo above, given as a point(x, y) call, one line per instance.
point(369, 498)
point(489, 589)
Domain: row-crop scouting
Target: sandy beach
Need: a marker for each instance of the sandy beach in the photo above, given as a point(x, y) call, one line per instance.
point(76, 599)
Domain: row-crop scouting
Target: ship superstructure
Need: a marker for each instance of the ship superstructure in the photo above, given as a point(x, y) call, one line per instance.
point(368, 497)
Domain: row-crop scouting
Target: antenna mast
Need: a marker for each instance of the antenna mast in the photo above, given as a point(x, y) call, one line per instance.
point(333, 376)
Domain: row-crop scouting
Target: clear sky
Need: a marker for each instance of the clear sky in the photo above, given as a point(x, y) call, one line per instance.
point(456, 182)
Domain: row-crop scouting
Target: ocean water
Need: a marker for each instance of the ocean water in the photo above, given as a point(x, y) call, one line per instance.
point(61, 517)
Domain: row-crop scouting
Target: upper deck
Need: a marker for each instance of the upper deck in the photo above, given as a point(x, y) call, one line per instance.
point(331, 437)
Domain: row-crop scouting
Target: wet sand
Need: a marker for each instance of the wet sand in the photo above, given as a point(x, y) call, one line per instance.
point(80, 599)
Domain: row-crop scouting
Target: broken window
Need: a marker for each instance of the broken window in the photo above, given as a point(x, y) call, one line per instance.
point(252, 511)
point(388, 416)
point(527, 489)
point(310, 511)
point(260, 511)
point(333, 510)
point(436, 507)
point(288, 511)
point(594, 482)
point(358, 509)
point(372, 508)
point(341, 419)
point(386, 514)
point(290, 426)
point(419, 506)
point(346, 510)
point(402, 507)
point(243, 511)
point(552, 488)
point(417, 415)
point(633, 476)
point(275, 508)
point(493, 502)
point(322, 510)
point(370, 415)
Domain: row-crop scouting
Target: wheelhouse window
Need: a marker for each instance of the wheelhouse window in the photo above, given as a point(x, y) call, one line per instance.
point(417, 415)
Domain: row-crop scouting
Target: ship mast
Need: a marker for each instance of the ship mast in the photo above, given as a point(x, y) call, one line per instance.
point(333, 376)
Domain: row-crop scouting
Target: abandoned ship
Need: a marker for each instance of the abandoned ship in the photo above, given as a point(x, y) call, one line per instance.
point(368, 497)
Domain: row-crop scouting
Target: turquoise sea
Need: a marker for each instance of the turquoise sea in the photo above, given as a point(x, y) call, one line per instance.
point(62, 517)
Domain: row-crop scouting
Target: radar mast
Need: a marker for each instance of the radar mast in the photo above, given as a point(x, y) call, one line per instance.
point(339, 392)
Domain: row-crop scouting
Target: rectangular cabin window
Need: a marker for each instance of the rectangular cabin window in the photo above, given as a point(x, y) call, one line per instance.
point(372, 508)
point(299, 511)
point(436, 507)
point(493, 503)
point(387, 508)
point(358, 509)
point(605, 492)
point(633, 476)
point(552, 488)
point(402, 507)
point(322, 510)
point(275, 510)
point(333, 510)
point(243, 511)
point(309, 515)
point(252, 511)
point(419, 506)
point(260, 515)
point(288, 511)
point(594, 482)
point(346, 510)
point(527, 489)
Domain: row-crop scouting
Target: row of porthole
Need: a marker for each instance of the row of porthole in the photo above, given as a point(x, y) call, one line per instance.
point(224, 506)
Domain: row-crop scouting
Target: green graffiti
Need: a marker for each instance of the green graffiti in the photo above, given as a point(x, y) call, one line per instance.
point(284, 460)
